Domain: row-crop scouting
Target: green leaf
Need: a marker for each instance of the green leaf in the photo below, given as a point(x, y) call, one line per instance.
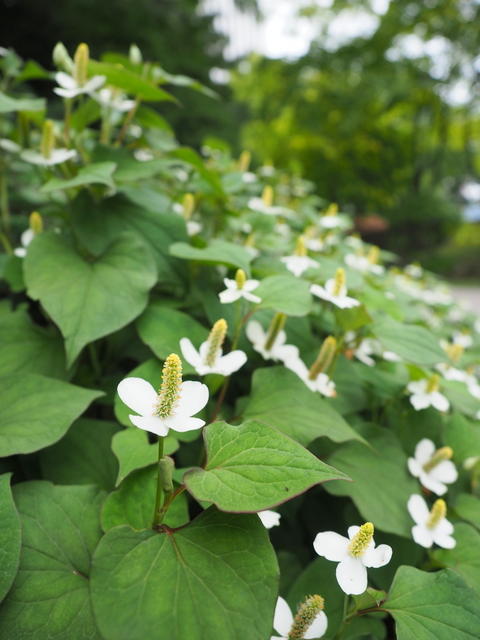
point(354, 318)
point(412, 343)
point(252, 467)
point(9, 104)
point(460, 397)
point(381, 483)
point(433, 606)
point(286, 294)
point(133, 503)
point(96, 173)
point(98, 224)
point(161, 328)
point(36, 411)
point(464, 558)
point(463, 436)
point(10, 536)
point(467, 507)
point(191, 157)
point(281, 400)
point(83, 455)
point(29, 348)
point(119, 76)
point(217, 252)
point(89, 299)
point(133, 451)
point(319, 577)
point(50, 596)
point(222, 565)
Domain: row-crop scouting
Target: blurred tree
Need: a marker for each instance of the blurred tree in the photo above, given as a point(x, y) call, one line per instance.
point(173, 32)
point(374, 127)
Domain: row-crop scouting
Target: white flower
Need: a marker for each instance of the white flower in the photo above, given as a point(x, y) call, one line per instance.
point(314, 244)
point(283, 621)
point(172, 408)
point(248, 177)
point(269, 518)
point(143, 155)
point(414, 270)
point(258, 205)
point(113, 99)
point(465, 340)
point(209, 358)
point(451, 373)
point(278, 350)
point(433, 468)
point(425, 394)
point(321, 383)
point(298, 264)
point(57, 156)
point(9, 145)
point(354, 554)
point(25, 239)
point(70, 88)
point(335, 291)
point(363, 264)
point(430, 526)
point(239, 288)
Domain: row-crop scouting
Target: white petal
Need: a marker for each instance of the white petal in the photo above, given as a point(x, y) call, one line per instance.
point(444, 527)
point(65, 80)
point(193, 397)
point(331, 545)
point(26, 237)
point(319, 291)
point(353, 530)
point(230, 284)
point(443, 540)
point(417, 508)
point(229, 295)
point(150, 423)
point(414, 468)
point(138, 394)
point(255, 332)
point(431, 484)
point(352, 576)
point(250, 285)
point(230, 363)
point(377, 557)
point(439, 401)
point(66, 93)
point(318, 626)
point(424, 451)
point(346, 302)
point(420, 401)
point(269, 518)
point(283, 618)
point(422, 535)
point(20, 252)
point(250, 297)
point(184, 423)
point(189, 352)
point(285, 352)
point(94, 83)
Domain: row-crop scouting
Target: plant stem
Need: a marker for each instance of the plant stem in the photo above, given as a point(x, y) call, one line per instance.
point(344, 618)
point(4, 207)
point(157, 516)
point(68, 120)
point(126, 123)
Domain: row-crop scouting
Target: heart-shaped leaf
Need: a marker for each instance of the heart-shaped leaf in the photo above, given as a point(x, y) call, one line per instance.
point(10, 536)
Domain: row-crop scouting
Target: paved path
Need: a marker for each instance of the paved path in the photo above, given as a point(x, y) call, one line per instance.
point(471, 295)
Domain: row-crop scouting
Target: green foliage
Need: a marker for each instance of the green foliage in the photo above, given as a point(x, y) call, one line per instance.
point(10, 537)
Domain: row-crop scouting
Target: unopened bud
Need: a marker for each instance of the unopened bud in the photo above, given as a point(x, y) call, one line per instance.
point(169, 392)
point(135, 55)
point(437, 513)
point(166, 467)
point(47, 144)
point(240, 278)
point(267, 196)
point(36, 222)
point(244, 161)
point(81, 59)
point(306, 614)
point(61, 58)
point(324, 359)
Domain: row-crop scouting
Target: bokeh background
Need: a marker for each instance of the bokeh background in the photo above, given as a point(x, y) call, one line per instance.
point(375, 101)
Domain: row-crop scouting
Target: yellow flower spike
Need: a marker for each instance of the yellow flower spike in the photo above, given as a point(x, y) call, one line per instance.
point(244, 161)
point(433, 383)
point(215, 341)
point(437, 513)
point(324, 359)
point(169, 393)
point(455, 351)
point(36, 222)
point(188, 204)
point(47, 144)
point(240, 278)
point(332, 209)
point(373, 255)
point(267, 196)
point(361, 540)
point(277, 324)
point(306, 614)
point(340, 282)
point(444, 453)
point(300, 248)
point(81, 59)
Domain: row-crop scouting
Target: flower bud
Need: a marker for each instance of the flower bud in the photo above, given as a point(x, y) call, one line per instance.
point(61, 58)
point(135, 55)
point(166, 467)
